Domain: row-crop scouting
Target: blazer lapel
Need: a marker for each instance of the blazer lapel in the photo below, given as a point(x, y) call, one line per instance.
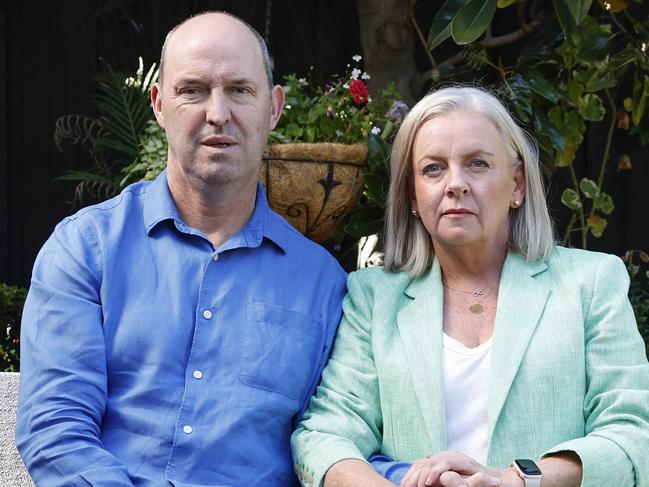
point(420, 328)
point(521, 300)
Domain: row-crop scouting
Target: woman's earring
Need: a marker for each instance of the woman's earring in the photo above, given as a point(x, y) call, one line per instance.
point(516, 204)
point(414, 212)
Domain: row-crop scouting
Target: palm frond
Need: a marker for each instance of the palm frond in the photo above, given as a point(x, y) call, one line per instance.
point(77, 130)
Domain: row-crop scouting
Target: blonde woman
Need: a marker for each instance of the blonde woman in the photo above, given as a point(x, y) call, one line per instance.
point(482, 354)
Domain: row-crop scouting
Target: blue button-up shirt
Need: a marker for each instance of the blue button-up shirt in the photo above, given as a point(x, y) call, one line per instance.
point(150, 358)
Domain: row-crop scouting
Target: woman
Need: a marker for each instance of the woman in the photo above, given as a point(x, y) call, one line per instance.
point(480, 342)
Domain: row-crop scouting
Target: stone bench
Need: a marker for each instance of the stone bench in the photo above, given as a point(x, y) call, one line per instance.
point(12, 470)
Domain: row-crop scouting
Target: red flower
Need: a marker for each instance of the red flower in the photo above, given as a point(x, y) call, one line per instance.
point(358, 90)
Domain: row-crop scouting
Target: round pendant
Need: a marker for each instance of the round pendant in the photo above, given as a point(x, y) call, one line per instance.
point(476, 308)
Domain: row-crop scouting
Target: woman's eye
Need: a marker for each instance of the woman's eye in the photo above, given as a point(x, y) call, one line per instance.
point(479, 163)
point(432, 169)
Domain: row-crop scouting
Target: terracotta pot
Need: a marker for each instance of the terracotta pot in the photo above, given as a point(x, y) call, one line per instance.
point(313, 186)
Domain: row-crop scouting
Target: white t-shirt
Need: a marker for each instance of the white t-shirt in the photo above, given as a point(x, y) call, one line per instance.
point(466, 392)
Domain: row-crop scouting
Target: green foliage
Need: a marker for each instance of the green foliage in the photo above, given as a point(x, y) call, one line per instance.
point(471, 21)
point(367, 219)
point(440, 30)
point(332, 113)
point(113, 138)
point(578, 60)
point(12, 299)
point(152, 156)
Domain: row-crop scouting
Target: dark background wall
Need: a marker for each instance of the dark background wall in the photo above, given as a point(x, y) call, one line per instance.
point(50, 55)
point(50, 59)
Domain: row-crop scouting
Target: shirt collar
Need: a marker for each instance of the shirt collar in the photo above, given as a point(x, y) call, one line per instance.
point(264, 222)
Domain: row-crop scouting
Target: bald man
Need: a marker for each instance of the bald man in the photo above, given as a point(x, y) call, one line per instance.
point(174, 334)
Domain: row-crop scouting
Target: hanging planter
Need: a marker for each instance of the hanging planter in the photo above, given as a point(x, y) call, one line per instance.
point(313, 185)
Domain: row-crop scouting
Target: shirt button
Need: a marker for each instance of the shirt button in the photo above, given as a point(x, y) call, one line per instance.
point(207, 314)
point(187, 429)
point(215, 257)
point(198, 374)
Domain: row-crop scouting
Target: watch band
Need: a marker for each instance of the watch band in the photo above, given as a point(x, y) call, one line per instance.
point(529, 471)
point(532, 482)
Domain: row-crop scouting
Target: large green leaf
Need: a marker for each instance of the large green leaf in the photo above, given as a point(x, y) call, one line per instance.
point(598, 77)
point(550, 130)
point(472, 20)
point(566, 20)
point(579, 9)
point(440, 30)
point(596, 45)
point(520, 96)
point(541, 86)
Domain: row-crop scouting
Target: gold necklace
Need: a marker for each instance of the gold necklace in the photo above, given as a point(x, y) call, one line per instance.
point(475, 308)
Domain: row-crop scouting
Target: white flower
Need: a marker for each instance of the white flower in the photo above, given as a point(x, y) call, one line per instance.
point(346, 86)
point(339, 133)
point(356, 73)
point(357, 58)
point(376, 130)
point(369, 99)
point(288, 107)
point(302, 81)
point(365, 76)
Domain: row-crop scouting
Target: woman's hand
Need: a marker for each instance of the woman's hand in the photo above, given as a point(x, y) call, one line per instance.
point(454, 469)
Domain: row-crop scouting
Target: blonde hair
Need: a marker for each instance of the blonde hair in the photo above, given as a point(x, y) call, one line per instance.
point(408, 246)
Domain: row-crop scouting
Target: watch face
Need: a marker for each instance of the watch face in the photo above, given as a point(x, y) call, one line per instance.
point(528, 467)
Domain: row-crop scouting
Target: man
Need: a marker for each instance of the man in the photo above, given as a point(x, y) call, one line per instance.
point(174, 334)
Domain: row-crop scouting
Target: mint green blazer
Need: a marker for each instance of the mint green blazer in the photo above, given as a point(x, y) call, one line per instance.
point(569, 371)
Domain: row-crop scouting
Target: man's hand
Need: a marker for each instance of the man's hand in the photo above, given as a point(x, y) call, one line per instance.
point(454, 469)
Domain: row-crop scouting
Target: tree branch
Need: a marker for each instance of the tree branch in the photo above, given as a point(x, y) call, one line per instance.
point(488, 43)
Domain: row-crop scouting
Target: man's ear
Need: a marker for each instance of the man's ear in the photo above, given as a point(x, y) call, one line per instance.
point(276, 105)
point(156, 103)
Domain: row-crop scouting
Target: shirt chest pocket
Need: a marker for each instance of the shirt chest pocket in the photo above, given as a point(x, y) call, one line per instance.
point(281, 349)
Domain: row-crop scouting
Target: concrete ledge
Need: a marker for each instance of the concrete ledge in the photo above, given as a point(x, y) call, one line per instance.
point(12, 469)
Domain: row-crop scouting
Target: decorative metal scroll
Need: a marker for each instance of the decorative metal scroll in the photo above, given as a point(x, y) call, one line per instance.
point(312, 192)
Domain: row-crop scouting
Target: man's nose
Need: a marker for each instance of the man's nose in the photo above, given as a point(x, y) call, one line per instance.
point(217, 111)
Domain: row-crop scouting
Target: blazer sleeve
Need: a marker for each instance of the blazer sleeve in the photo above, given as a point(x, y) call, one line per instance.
point(616, 406)
point(344, 417)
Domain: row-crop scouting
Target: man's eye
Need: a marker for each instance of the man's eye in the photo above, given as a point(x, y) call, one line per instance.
point(242, 90)
point(188, 91)
point(479, 163)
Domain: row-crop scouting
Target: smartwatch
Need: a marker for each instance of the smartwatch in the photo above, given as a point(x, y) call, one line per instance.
point(528, 471)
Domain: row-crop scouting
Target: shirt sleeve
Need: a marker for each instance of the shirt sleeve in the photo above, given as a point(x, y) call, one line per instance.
point(616, 406)
point(63, 381)
point(390, 469)
point(344, 417)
